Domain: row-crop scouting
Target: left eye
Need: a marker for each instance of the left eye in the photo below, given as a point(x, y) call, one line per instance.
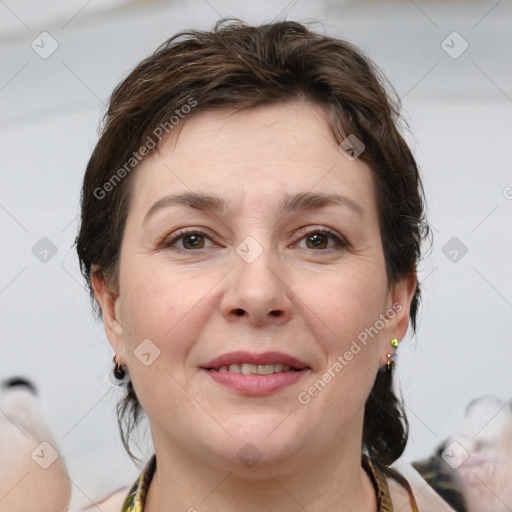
point(321, 239)
point(189, 241)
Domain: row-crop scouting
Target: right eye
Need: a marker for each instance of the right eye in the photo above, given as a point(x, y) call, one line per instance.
point(187, 240)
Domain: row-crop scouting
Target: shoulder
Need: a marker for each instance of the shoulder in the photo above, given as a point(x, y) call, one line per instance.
point(426, 498)
point(112, 503)
point(128, 498)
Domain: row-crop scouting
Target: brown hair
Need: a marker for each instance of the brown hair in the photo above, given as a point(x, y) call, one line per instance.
point(240, 66)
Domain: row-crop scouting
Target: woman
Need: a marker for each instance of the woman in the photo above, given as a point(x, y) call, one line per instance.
point(251, 226)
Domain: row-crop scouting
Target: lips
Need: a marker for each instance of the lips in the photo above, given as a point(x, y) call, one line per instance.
point(266, 358)
point(256, 374)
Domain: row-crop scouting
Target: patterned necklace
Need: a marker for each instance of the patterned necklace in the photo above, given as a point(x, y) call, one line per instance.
point(380, 485)
point(136, 498)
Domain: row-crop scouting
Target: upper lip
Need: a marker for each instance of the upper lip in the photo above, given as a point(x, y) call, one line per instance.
point(240, 357)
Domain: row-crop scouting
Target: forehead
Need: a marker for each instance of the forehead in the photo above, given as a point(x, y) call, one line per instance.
point(255, 154)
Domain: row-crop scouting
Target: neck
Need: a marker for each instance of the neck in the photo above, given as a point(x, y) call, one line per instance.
point(332, 482)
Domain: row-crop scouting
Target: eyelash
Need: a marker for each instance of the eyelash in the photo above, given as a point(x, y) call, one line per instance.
point(339, 241)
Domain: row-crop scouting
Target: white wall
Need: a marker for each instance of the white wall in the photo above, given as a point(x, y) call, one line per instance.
point(460, 113)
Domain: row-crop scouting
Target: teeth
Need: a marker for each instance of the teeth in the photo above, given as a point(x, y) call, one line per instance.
point(253, 369)
point(248, 369)
point(265, 369)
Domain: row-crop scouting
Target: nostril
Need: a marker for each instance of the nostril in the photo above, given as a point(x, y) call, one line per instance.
point(239, 312)
point(276, 312)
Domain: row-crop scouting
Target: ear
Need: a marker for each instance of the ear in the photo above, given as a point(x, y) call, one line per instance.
point(398, 306)
point(109, 302)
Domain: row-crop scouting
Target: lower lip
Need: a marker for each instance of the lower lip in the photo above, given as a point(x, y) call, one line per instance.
point(256, 385)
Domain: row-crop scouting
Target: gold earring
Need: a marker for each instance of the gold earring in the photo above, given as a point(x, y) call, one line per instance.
point(391, 357)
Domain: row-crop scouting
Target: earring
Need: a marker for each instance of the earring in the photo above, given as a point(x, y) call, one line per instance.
point(119, 372)
point(391, 357)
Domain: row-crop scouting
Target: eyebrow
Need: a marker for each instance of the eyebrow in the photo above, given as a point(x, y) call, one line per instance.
point(315, 200)
point(213, 203)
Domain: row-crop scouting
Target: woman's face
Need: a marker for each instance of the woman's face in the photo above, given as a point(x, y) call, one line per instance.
point(254, 233)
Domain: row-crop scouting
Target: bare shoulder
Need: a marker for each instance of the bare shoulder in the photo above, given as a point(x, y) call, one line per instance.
point(112, 503)
point(426, 498)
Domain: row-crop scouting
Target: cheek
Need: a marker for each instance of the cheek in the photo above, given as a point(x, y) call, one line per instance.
point(338, 319)
point(158, 307)
point(339, 311)
point(166, 306)
point(154, 298)
point(344, 304)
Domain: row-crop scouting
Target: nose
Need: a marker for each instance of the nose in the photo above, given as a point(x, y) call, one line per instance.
point(257, 292)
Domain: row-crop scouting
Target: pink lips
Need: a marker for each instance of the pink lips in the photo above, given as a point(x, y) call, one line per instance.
point(256, 385)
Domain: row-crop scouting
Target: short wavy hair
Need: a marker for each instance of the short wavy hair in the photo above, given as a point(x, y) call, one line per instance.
point(240, 66)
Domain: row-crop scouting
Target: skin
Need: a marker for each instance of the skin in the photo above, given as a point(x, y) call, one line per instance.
point(26, 484)
point(307, 300)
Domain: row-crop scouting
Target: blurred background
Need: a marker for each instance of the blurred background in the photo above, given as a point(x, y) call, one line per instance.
point(450, 63)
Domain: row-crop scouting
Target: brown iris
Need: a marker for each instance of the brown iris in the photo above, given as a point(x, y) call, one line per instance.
point(317, 240)
point(193, 241)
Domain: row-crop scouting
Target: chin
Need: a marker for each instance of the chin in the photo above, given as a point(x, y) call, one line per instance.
point(255, 447)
